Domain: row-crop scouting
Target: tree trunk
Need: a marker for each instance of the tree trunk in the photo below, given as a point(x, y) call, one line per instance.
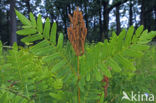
point(8, 27)
point(130, 13)
point(100, 21)
point(148, 21)
point(86, 15)
point(13, 36)
point(65, 21)
point(94, 23)
point(142, 12)
point(155, 16)
point(28, 5)
point(105, 21)
point(118, 20)
point(69, 9)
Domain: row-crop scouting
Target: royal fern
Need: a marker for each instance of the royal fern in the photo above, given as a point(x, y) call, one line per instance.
point(56, 64)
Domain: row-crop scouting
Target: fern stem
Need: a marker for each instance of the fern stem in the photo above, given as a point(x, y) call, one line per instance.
point(78, 72)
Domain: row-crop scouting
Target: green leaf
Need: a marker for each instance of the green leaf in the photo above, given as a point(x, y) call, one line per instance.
point(64, 73)
point(120, 39)
point(105, 70)
point(125, 62)
point(26, 31)
point(58, 84)
point(53, 33)
point(7, 65)
point(60, 41)
point(32, 38)
point(139, 31)
point(88, 77)
point(39, 24)
point(82, 84)
point(129, 36)
point(151, 35)
point(56, 96)
point(102, 98)
point(27, 27)
point(22, 18)
point(115, 67)
point(98, 75)
point(140, 47)
point(50, 57)
point(3, 98)
point(15, 46)
point(46, 29)
point(44, 51)
point(142, 37)
point(132, 53)
point(33, 20)
point(38, 46)
point(59, 65)
point(93, 95)
point(137, 34)
point(146, 37)
point(68, 77)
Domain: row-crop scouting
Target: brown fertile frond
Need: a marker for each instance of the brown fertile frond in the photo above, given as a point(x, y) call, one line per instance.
point(77, 32)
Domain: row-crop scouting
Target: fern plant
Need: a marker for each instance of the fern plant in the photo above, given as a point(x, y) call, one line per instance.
point(24, 75)
point(142, 81)
point(57, 63)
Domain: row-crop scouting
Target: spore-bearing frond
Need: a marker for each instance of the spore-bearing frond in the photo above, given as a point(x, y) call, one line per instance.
point(77, 32)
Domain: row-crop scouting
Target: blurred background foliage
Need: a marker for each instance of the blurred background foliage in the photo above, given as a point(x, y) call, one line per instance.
point(101, 16)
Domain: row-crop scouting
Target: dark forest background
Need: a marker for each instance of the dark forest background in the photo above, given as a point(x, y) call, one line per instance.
point(101, 16)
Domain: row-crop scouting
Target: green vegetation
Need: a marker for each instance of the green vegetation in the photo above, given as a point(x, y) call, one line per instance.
point(45, 70)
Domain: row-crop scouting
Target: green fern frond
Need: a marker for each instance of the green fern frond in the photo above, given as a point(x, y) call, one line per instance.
point(46, 48)
point(23, 19)
point(101, 59)
point(53, 33)
point(118, 51)
point(46, 29)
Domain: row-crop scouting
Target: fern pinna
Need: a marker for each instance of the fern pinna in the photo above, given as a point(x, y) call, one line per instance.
point(59, 62)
